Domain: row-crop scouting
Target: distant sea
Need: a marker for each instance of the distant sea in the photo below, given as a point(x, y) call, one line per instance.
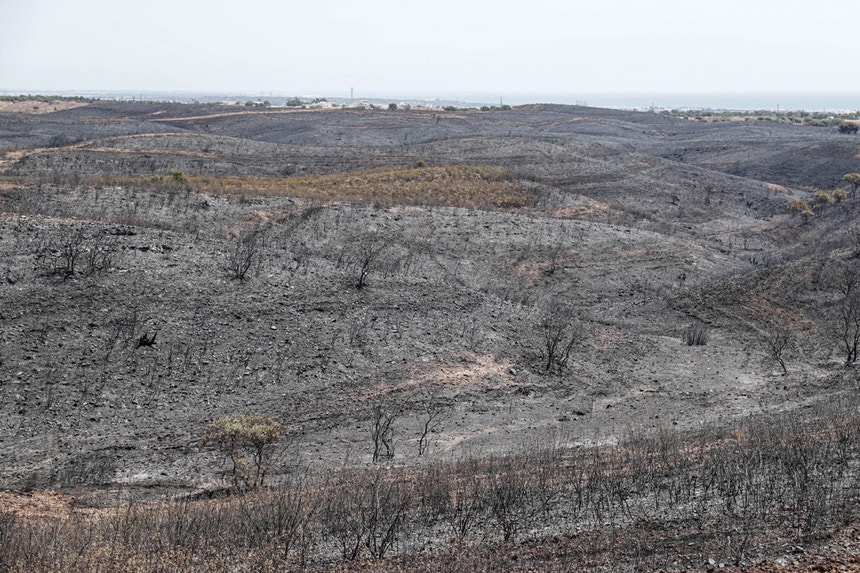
point(808, 101)
point(773, 101)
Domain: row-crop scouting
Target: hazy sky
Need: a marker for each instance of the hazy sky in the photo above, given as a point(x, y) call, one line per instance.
point(431, 46)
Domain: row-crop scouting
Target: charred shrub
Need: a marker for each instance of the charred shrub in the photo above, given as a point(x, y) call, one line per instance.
point(87, 468)
point(71, 251)
point(246, 252)
point(559, 331)
point(696, 335)
point(367, 254)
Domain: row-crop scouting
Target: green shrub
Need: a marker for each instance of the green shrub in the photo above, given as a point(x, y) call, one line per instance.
point(852, 179)
point(247, 440)
point(839, 195)
point(821, 199)
point(801, 209)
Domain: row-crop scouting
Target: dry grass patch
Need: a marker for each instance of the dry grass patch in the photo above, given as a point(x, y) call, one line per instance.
point(466, 186)
point(37, 107)
point(36, 503)
point(449, 185)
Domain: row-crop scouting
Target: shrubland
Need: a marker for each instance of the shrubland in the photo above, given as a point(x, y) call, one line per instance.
point(659, 499)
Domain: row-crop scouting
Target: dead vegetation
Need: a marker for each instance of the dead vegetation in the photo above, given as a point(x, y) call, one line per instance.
point(448, 185)
point(660, 499)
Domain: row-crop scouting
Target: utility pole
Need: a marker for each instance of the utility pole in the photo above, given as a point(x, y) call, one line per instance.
point(350, 96)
